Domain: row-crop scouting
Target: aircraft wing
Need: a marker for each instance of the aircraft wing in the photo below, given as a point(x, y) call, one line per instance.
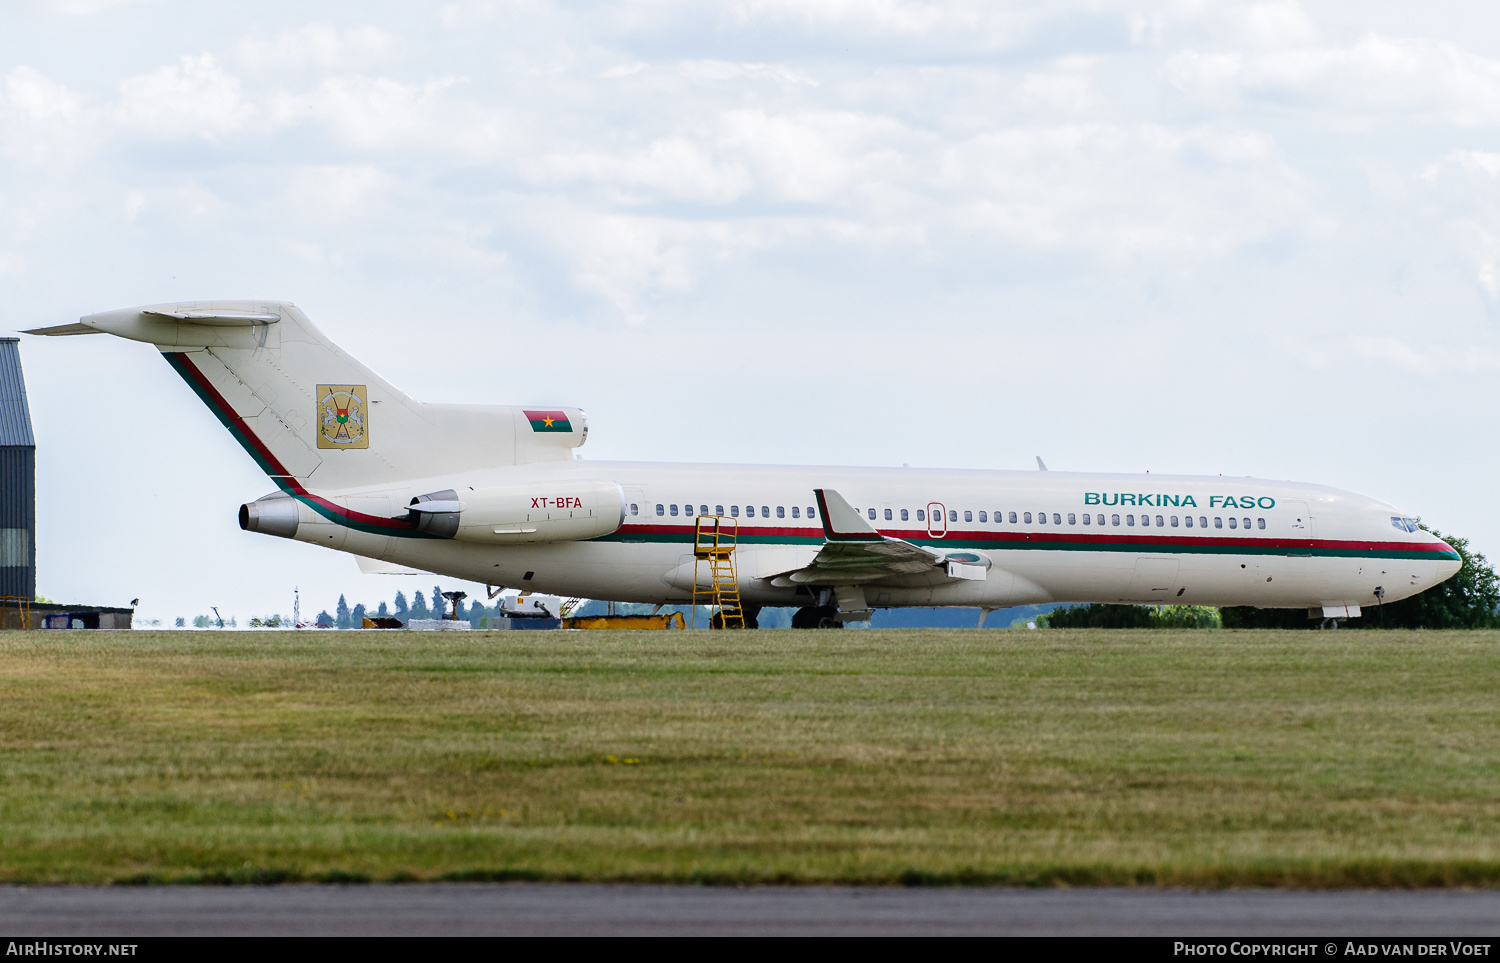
point(855, 554)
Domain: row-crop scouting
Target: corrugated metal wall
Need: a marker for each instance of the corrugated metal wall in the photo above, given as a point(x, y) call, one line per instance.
point(17, 478)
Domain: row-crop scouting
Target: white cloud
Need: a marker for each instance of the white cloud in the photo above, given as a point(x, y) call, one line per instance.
point(196, 98)
point(320, 46)
point(1429, 360)
point(388, 116)
point(86, 8)
point(35, 96)
point(1375, 78)
point(673, 168)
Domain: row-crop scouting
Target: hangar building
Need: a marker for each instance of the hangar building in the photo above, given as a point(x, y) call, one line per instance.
point(18, 518)
point(17, 479)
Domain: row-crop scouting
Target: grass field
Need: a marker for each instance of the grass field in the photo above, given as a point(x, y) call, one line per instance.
point(919, 756)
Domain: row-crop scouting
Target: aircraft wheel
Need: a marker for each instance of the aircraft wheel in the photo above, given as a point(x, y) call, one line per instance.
point(816, 617)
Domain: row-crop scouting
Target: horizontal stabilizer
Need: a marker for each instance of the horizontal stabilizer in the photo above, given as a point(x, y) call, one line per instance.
point(64, 330)
point(215, 317)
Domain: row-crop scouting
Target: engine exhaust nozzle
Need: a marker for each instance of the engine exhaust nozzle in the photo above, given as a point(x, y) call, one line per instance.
point(276, 514)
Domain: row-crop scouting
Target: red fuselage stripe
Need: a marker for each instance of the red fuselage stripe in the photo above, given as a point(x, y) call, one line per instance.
point(284, 478)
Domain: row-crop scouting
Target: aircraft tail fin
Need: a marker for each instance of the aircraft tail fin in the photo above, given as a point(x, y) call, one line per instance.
point(310, 414)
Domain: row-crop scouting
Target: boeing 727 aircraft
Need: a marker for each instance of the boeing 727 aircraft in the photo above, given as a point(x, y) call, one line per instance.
point(361, 468)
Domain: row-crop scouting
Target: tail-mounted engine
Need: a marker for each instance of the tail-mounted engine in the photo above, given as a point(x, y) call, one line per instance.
point(540, 512)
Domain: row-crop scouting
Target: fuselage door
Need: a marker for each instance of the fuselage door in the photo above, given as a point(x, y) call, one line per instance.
point(1155, 579)
point(937, 519)
point(1300, 526)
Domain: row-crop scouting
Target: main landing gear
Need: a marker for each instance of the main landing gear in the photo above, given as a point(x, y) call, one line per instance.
point(816, 617)
point(750, 613)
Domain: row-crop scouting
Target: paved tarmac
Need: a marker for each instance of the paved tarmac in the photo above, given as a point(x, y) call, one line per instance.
point(528, 909)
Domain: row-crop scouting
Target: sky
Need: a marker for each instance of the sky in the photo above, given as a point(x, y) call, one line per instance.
point(1189, 237)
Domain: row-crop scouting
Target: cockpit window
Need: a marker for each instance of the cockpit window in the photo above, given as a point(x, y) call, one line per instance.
point(1405, 524)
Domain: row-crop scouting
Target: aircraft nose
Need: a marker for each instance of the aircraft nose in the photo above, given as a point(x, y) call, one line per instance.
point(1448, 563)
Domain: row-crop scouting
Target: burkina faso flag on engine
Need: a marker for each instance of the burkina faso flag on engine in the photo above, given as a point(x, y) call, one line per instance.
point(548, 420)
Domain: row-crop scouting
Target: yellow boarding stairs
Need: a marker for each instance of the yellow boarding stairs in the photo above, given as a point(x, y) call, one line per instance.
point(714, 538)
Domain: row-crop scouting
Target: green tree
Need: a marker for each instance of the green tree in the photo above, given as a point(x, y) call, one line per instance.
point(418, 605)
point(1186, 617)
point(1098, 616)
point(342, 614)
point(401, 609)
point(358, 616)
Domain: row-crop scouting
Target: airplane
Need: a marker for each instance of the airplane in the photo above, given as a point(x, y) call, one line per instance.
point(498, 495)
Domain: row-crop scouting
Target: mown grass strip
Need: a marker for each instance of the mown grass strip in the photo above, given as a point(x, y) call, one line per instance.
point(879, 757)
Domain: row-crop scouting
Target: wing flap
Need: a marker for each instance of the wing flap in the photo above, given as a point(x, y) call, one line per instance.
point(856, 554)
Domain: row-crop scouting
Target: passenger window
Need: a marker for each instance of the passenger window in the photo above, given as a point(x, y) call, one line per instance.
point(1218, 523)
point(1013, 518)
point(872, 514)
point(1158, 521)
point(921, 515)
point(1189, 521)
point(887, 514)
point(968, 516)
point(795, 512)
point(718, 509)
point(1073, 519)
point(1129, 519)
point(734, 511)
point(1260, 523)
point(1202, 522)
point(1115, 519)
point(1101, 519)
point(811, 513)
point(904, 516)
point(765, 511)
point(635, 509)
point(1041, 518)
point(1232, 523)
point(1146, 520)
point(1056, 518)
point(1174, 521)
point(672, 510)
point(983, 517)
point(702, 509)
point(661, 510)
point(1247, 522)
point(687, 510)
point(952, 515)
point(1028, 518)
point(1087, 518)
point(781, 511)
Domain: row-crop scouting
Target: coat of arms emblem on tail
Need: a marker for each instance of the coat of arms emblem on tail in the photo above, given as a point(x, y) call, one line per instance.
point(343, 416)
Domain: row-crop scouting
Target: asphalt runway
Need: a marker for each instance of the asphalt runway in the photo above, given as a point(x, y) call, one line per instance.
point(534, 909)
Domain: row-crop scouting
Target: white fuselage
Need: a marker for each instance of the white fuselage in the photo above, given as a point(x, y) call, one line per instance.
point(1047, 536)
